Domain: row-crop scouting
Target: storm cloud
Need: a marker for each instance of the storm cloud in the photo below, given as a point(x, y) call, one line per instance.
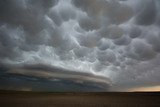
point(117, 39)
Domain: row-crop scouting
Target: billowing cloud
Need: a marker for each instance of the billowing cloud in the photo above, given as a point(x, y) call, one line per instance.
point(119, 39)
point(147, 14)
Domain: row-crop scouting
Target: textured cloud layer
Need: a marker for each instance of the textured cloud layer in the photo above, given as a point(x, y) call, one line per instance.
point(119, 39)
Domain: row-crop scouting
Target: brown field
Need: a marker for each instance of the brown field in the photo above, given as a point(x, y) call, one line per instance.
point(110, 99)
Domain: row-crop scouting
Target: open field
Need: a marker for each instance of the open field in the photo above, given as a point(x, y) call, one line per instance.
point(110, 99)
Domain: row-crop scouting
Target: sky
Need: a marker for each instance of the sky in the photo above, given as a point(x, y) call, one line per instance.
point(115, 39)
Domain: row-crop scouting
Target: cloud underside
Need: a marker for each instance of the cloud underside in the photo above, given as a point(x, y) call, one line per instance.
point(119, 39)
point(49, 78)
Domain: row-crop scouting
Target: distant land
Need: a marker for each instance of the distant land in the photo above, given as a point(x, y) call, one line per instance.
point(79, 99)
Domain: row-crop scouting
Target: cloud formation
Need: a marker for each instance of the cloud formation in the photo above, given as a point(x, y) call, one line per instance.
point(119, 39)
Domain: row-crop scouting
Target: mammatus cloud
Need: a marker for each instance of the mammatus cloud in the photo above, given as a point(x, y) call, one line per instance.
point(119, 39)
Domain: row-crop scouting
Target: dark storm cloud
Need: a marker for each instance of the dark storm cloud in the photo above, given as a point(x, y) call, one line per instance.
point(147, 15)
point(118, 39)
point(26, 13)
point(40, 77)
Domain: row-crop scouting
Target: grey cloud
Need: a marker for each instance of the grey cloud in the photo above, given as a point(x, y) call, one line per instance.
point(89, 23)
point(120, 14)
point(143, 74)
point(153, 38)
point(143, 50)
point(147, 15)
point(124, 40)
point(114, 38)
point(55, 16)
point(106, 56)
point(89, 39)
point(67, 14)
point(135, 32)
point(10, 39)
point(104, 44)
point(111, 32)
point(91, 7)
point(115, 32)
point(94, 8)
point(38, 75)
point(140, 50)
point(82, 52)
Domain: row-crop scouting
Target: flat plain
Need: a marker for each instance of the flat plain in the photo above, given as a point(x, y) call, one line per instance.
point(79, 99)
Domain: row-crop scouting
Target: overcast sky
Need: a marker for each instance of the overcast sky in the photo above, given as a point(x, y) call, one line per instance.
point(118, 39)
